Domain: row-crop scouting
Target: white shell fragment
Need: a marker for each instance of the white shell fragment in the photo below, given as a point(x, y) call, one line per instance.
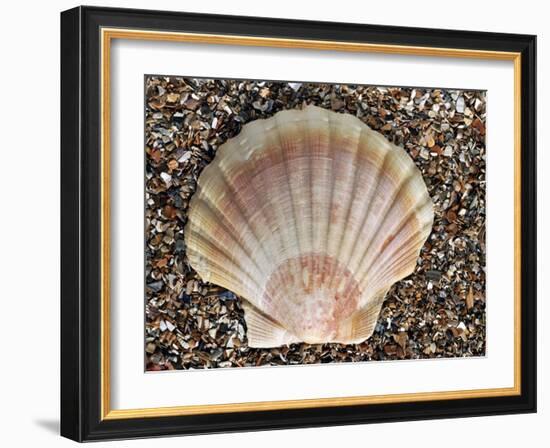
point(310, 216)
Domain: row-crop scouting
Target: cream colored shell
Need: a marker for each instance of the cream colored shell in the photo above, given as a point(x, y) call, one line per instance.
point(309, 216)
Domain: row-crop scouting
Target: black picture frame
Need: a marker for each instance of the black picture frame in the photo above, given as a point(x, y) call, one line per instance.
point(81, 210)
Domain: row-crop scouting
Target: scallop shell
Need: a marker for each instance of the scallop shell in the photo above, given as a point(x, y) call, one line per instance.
point(310, 216)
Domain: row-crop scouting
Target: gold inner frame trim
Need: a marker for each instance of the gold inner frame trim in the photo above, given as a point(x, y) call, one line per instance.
point(107, 35)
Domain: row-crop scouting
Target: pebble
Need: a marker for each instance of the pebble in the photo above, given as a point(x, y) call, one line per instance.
point(166, 178)
point(185, 157)
point(460, 105)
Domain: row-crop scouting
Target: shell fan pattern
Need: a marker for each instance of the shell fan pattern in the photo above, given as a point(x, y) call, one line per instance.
point(309, 216)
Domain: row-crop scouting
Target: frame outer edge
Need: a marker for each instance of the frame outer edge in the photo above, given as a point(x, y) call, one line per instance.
point(529, 223)
point(71, 324)
point(81, 418)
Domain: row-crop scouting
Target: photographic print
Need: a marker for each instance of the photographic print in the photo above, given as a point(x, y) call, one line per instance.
point(292, 223)
point(295, 203)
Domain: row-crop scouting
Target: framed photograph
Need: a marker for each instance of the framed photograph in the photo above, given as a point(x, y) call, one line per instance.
point(276, 224)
